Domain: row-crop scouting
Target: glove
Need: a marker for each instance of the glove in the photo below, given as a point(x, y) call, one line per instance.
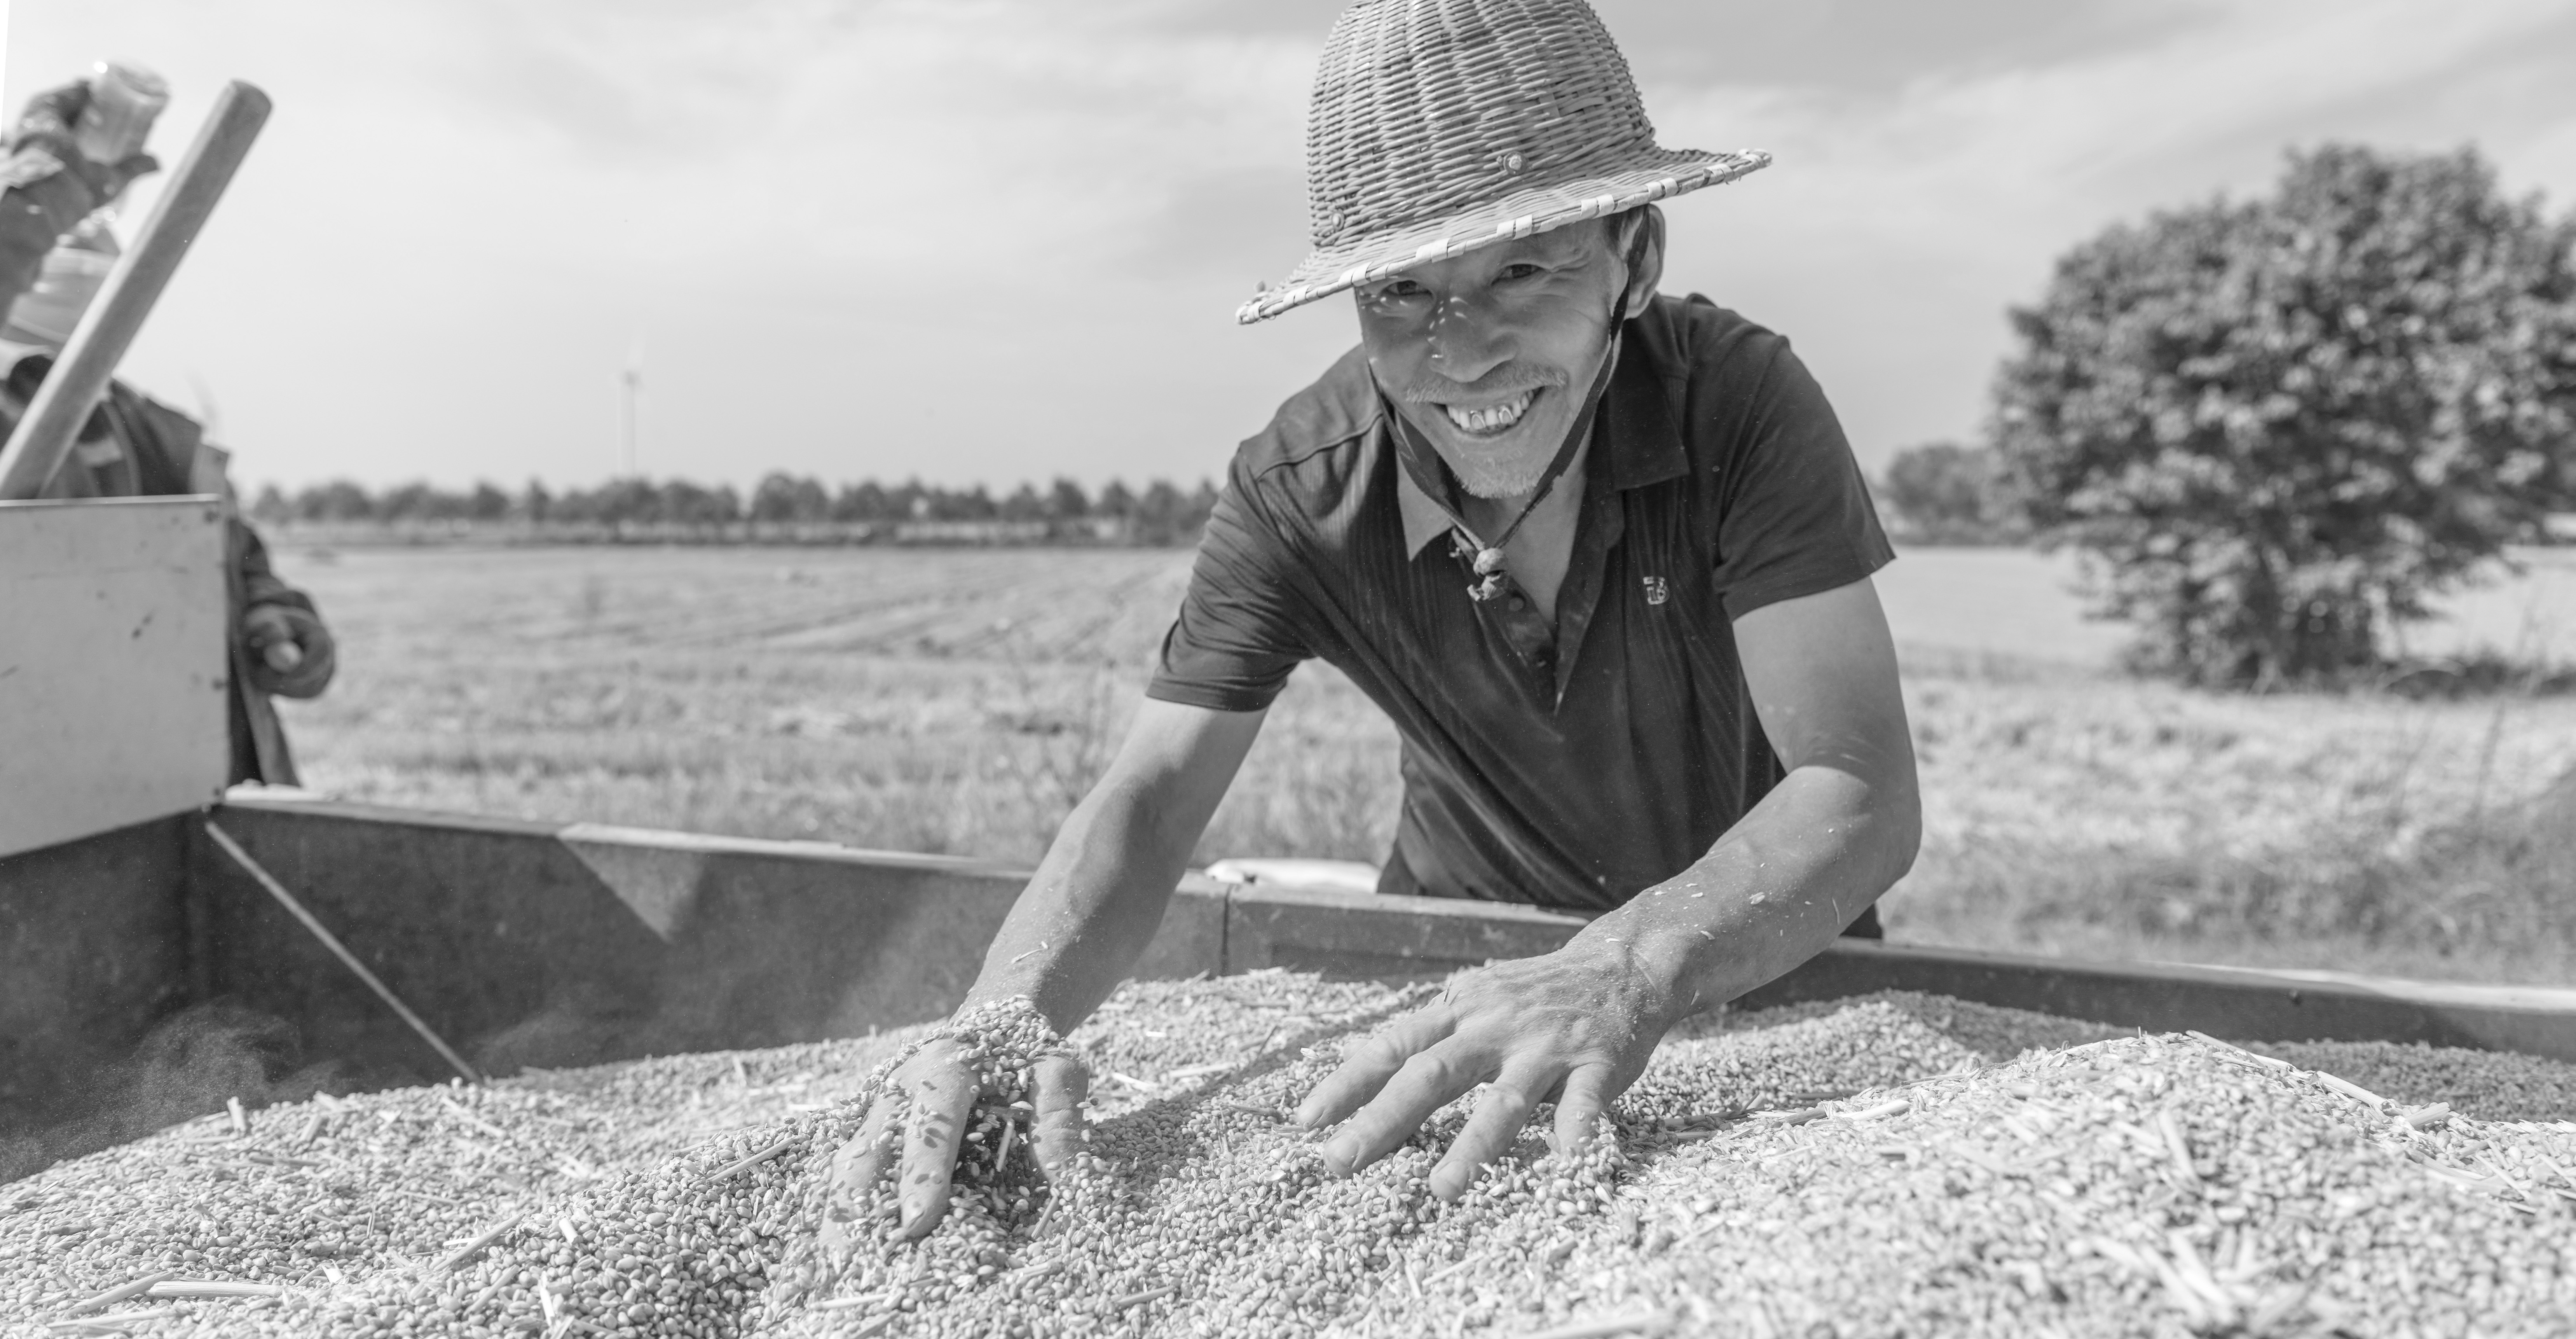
point(50, 117)
point(291, 653)
point(49, 124)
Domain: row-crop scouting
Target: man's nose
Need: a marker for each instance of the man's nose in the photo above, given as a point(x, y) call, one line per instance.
point(1467, 339)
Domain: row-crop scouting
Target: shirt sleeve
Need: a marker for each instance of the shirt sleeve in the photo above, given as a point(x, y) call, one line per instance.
point(1796, 518)
point(1240, 630)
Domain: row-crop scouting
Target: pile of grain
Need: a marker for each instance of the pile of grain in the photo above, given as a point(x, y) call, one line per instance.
point(1874, 1167)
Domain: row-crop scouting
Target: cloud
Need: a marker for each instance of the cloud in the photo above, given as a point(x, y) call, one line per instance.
point(1899, 222)
point(996, 239)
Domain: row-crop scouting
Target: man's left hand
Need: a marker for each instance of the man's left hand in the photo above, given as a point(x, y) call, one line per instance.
point(292, 654)
point(1574, 1027)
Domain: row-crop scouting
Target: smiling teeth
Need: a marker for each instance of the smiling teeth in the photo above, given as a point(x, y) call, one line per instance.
point(1492, 418)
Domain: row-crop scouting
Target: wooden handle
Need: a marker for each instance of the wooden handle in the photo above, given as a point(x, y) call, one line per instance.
point(80, 375)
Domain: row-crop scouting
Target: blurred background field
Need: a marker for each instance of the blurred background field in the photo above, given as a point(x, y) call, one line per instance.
point(961, 700)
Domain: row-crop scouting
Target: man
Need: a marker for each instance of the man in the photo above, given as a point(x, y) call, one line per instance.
point(134, 446)
point(1605, 558)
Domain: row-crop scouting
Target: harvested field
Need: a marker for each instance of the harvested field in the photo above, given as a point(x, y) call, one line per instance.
point(1895, 1164)
point(960, 701)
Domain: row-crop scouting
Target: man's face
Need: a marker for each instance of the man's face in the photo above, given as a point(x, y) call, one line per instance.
point(1487, 354)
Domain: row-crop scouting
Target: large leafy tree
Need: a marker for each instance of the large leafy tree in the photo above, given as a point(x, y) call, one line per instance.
point(2277, 427)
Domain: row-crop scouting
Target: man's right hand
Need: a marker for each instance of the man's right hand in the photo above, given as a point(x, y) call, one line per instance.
point(914, 1128)
point(1089, 910)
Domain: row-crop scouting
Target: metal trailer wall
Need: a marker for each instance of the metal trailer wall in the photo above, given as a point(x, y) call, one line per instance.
point(93, 951)
point(115, 664)
point(542, 944)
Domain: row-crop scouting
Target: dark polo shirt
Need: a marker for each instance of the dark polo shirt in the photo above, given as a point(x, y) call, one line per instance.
point(1572, 764)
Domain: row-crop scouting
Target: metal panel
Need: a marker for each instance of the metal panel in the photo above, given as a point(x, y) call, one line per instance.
point(113, 664)
point(1366, 936)
point(537, 944)
point(2239, 1003)
point(529, 943)
point(1361, 936)
point(93, 951)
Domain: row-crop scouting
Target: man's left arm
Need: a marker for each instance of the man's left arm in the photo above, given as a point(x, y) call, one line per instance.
point(1577, 1026)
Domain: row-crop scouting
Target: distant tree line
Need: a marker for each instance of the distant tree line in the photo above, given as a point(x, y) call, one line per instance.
point(781, 506)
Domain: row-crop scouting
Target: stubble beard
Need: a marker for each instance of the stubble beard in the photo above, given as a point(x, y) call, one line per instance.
point(1480, 470)
point(1495, 480)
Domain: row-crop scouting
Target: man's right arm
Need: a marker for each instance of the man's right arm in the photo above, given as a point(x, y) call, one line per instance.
point(1074, 934)
point(1099, 895)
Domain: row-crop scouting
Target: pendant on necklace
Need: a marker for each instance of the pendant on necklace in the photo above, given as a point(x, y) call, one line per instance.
point(1489, 566)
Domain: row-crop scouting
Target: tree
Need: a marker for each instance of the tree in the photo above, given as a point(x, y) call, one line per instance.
point(415, 501)
point(338, 500)
point(2276, 428)
point(697, 505)
point(1945, 493)
point(1066, 501)
point(627, 501)
point(272, 507)
point(488, 502)
point(864, 501)
point(1024, 504)
point(1162, 515)
point(785, 497)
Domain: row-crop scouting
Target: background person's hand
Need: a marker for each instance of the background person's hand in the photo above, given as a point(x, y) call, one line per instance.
point(1574, 1027)
point(292, 653)
point(50, 121)
point(916, 1127)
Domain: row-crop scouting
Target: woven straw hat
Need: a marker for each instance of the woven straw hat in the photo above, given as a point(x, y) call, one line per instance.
point(1441, 126)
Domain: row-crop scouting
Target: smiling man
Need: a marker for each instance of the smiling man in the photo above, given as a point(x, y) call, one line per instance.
point(1603, 556)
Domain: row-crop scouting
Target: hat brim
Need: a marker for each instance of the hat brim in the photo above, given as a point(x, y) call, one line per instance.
point(1659, 174)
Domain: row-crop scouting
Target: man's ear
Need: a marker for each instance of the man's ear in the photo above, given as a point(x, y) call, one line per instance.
point(1650, 262)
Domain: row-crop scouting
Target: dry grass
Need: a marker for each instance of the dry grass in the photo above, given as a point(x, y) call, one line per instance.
point(960, 701)
point(942, 701)
point(2067, 811)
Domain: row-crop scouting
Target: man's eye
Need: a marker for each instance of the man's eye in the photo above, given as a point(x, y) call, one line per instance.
point(1402, 288)
point(1520, 270)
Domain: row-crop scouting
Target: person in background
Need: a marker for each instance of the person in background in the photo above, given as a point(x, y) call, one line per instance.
point(56, 250)
point(71, 154)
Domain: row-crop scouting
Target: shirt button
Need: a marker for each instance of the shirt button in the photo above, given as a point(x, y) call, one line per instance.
point(1519, 604)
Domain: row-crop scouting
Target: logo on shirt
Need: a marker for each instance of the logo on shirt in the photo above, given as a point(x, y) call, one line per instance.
point(1656, 591)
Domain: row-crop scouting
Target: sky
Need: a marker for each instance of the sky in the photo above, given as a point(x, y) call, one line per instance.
point(987, 241)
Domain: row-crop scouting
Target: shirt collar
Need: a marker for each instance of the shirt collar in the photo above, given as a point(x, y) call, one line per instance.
point(1637, 429)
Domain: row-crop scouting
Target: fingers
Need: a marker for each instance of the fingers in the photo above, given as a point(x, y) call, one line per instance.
point(1497, 1122)
point(1055, 1135)
point(1429, 1081)
point(1586, 1094)
point(854, 1173)
point(282, 656)
point(941, 1097)
point(1369, 1065)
